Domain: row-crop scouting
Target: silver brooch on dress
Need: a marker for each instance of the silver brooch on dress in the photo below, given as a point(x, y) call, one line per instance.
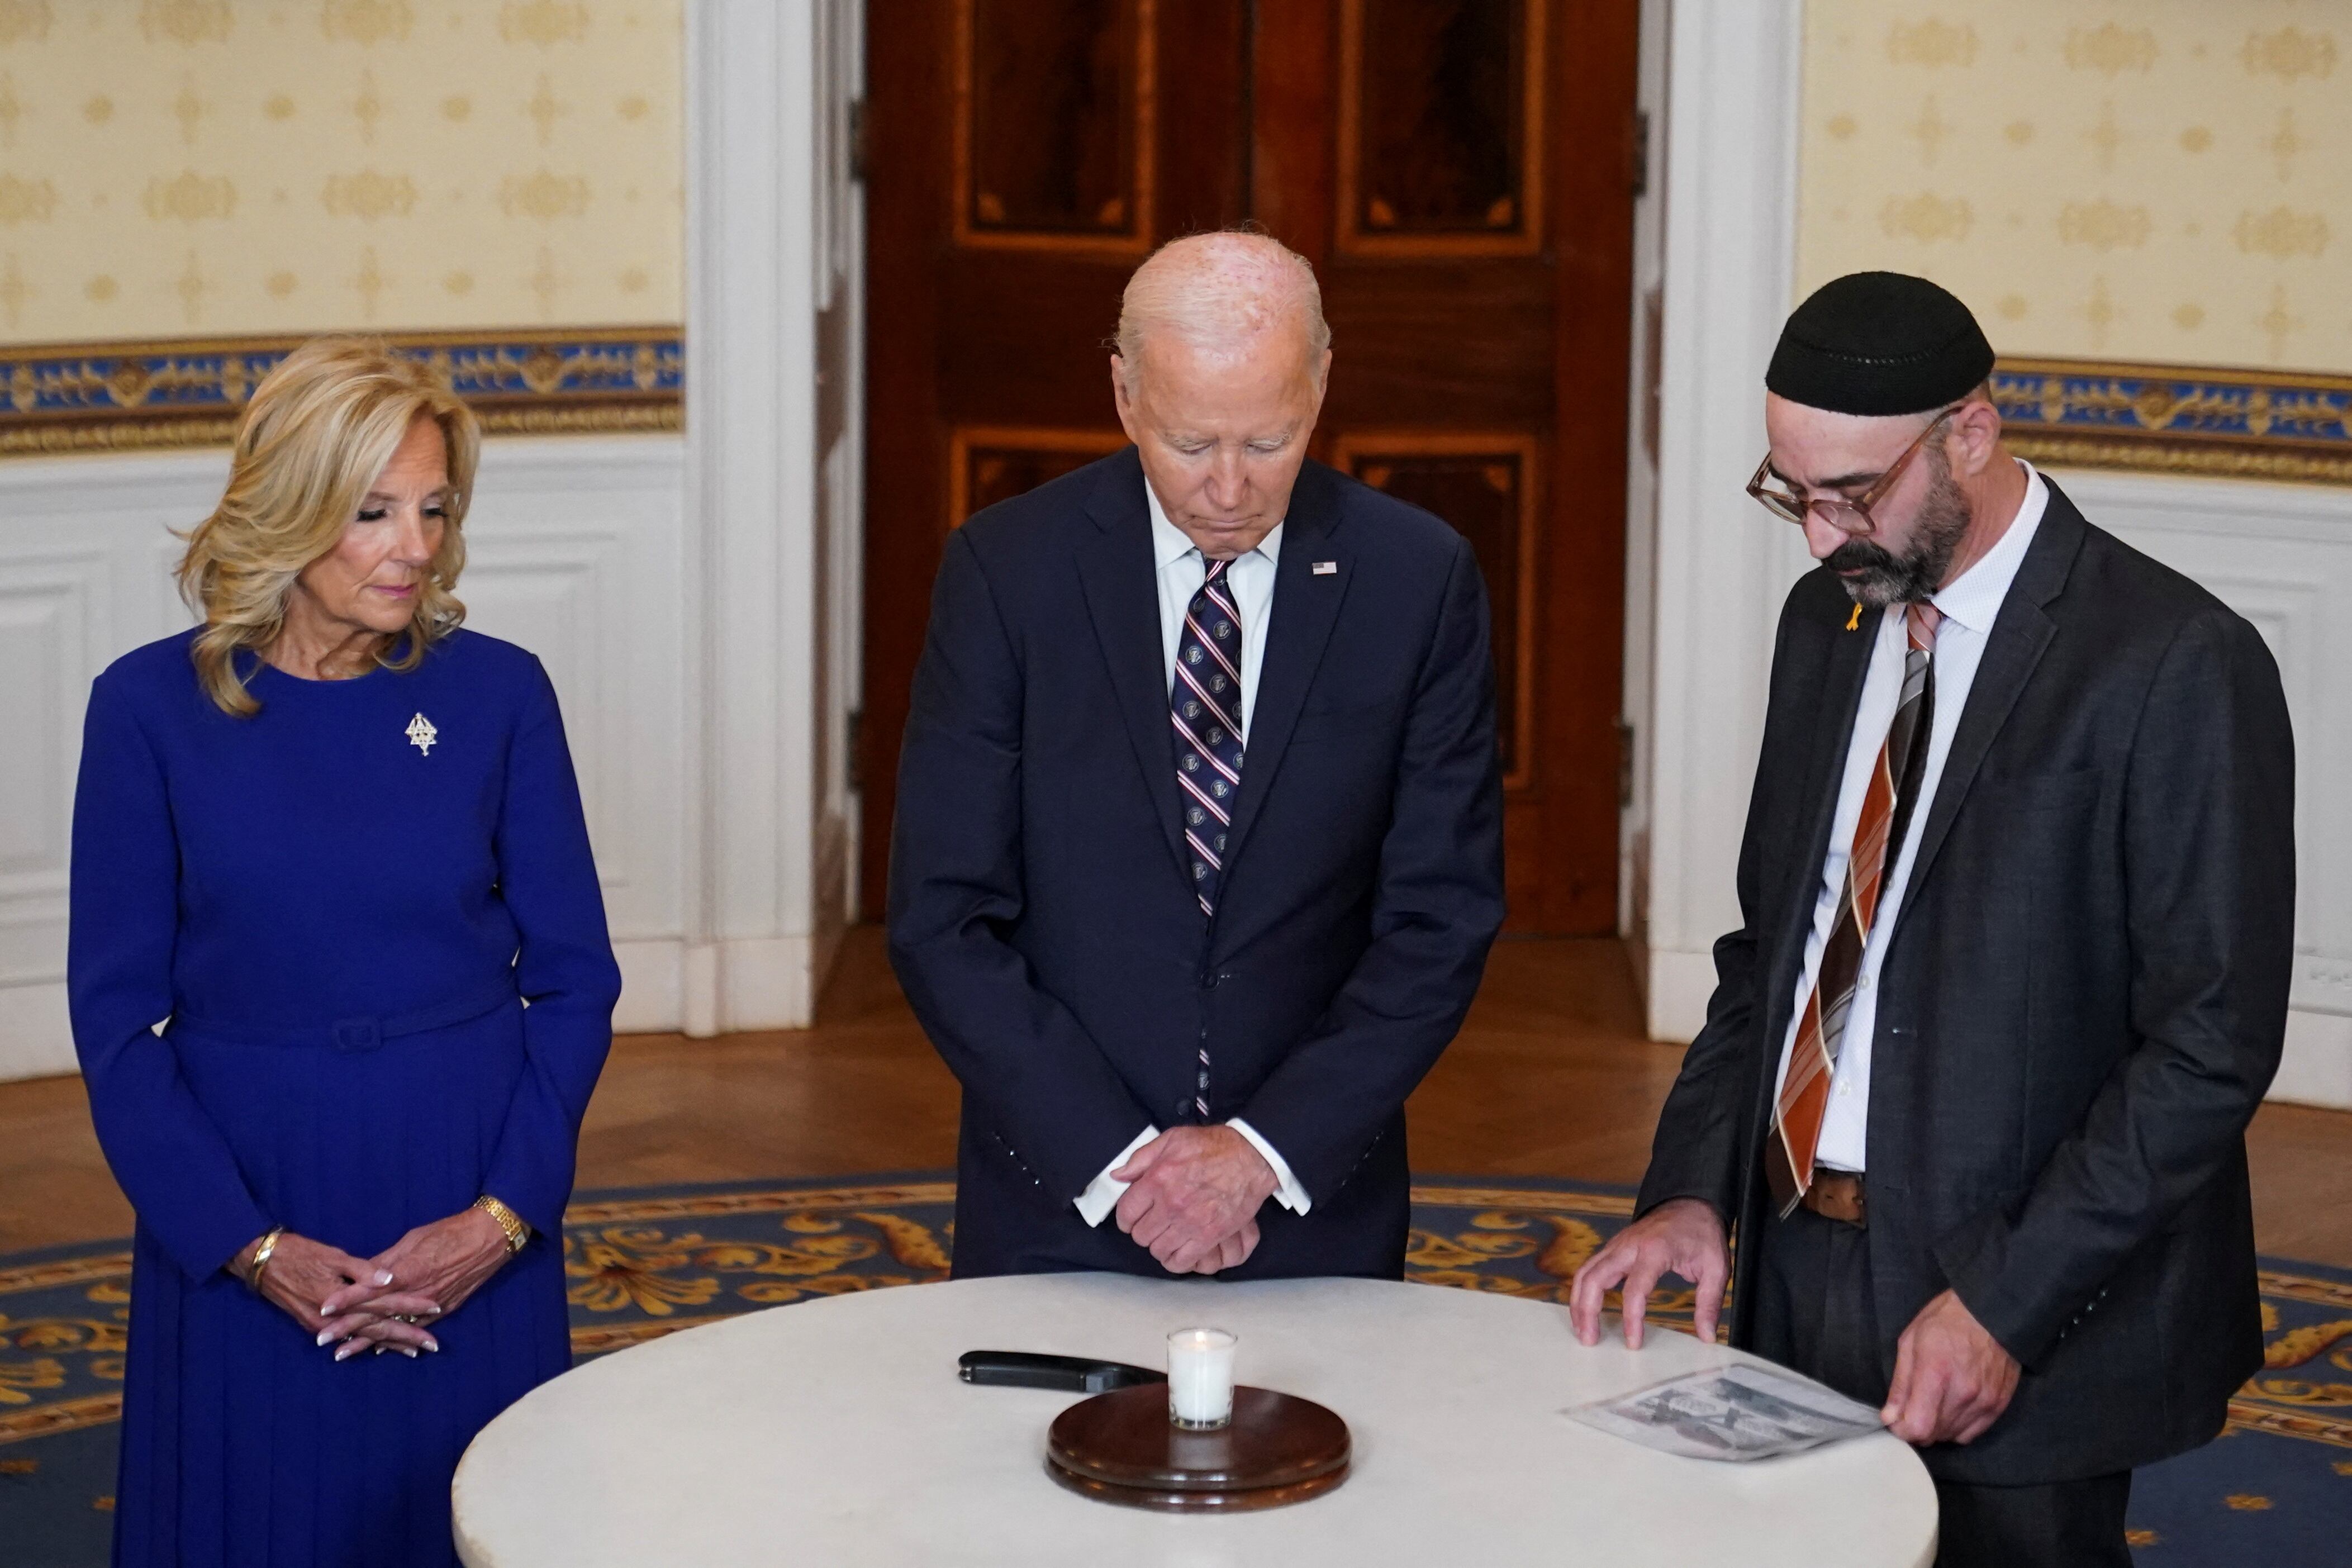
point(422, 734)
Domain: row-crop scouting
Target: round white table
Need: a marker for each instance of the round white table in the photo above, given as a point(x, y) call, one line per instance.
point(838, 1432)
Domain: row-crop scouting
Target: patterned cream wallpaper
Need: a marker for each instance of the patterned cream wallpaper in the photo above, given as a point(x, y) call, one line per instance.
point(2163, 180)
point(209, 168)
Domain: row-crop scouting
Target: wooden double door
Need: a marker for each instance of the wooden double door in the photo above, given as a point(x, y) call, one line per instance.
point(1461, 175)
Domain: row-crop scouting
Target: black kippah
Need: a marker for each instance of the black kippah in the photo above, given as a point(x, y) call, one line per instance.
point(1879, 343)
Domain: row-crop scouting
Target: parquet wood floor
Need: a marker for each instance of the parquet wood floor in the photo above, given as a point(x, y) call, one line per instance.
point(1550, 1078)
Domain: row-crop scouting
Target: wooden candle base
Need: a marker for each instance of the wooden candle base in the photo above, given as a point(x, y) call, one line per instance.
point(1121, 1447)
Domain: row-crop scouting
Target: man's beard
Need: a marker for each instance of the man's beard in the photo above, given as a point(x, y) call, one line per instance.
point(1881, 578)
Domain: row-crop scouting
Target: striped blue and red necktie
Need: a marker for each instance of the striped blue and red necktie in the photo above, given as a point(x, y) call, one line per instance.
point(1205, 703)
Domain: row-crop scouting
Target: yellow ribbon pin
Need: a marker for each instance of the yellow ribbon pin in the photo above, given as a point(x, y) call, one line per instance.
point(1854, 620)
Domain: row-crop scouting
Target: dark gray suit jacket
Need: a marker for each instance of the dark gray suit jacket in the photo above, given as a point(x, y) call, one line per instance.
point(2082, 1004)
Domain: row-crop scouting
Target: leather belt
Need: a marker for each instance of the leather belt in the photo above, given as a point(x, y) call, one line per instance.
point(1839, 1195)
point(358, 1033)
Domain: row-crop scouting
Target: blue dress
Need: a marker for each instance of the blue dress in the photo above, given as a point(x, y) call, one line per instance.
point(343, 927)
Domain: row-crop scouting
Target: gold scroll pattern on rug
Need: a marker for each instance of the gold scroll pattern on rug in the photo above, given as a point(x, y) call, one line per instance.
point(2311, 1403)
point(639, 1267)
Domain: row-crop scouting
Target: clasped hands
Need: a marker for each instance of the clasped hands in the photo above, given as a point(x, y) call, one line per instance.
point(353, 1303)
point(1952, 1379)
point(1193, 1198)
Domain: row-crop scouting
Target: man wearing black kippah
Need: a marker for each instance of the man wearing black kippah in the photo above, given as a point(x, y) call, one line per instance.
point(2017, 898)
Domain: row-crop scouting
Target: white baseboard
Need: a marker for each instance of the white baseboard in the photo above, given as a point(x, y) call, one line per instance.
point(704, 989)
point(764, 983)
point(653, 988)
point(1677, 988)
point(707, 988)
point(35, 1041)
point(2318, 1066)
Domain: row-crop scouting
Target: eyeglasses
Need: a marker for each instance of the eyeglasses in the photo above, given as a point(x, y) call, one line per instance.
point(1846, 515)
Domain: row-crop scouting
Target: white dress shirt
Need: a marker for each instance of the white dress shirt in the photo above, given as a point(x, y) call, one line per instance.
point(1182, 571)
point(1970, 605)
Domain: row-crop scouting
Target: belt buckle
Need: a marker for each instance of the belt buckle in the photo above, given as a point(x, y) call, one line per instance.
point(356, 1035)
point(1841, 1197)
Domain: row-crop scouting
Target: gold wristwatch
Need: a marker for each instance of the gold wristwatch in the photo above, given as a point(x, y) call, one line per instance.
point(518, 1232)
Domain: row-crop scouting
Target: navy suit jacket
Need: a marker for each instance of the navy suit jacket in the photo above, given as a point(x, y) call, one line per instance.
point(1041, 915)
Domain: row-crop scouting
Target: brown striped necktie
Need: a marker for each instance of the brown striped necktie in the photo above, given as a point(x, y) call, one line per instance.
point(1886, 807)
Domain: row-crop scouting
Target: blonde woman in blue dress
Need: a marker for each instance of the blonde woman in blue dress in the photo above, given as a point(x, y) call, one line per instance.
point(336, 841)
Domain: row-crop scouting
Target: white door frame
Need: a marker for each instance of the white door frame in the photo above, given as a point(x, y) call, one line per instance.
point(773, 436)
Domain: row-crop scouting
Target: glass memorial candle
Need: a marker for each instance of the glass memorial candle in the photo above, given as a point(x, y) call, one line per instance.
point(1201, 1378)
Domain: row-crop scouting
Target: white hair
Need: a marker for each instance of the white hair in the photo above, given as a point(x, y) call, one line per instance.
point(1219, 292)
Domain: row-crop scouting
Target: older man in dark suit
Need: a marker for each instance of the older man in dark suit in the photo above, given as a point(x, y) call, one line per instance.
point(1198, 852)
point(2018, 891)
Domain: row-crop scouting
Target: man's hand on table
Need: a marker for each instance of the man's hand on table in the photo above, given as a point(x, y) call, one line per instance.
point(1952, 1379)
point(1682, 1236)
point(1193, 1198)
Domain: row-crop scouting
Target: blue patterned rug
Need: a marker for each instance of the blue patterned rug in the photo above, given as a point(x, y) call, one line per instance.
point(2275, 1490)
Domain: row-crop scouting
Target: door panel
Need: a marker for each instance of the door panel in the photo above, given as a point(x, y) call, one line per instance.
point(987, 464)
point(1024, 156)
point(1435, 100)
point(1053, 124)
point(1485, 485)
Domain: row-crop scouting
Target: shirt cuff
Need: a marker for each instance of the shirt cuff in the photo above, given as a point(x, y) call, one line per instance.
point(1102, 1194)
point(1288, 1194)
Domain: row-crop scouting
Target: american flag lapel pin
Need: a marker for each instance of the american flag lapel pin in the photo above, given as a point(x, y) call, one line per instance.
point(1325, 568)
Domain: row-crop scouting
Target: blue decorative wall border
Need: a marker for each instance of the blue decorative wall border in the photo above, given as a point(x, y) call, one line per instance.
point(116, 396)
point(74, 398)
point(2241, 423)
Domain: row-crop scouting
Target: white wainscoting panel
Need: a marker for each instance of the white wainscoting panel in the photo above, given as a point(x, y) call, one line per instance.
point(48, 605)
point(2281, 555)
point(574, 546)
point(85, 576)
point(579, 561)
